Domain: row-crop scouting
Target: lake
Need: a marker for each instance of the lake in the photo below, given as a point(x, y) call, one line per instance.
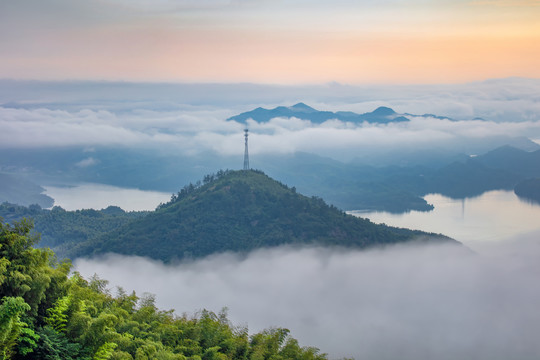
point(406, 302)
point(100, 196)
point(492, 216)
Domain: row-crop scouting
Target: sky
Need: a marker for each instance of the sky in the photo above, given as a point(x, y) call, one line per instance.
point(262, 41)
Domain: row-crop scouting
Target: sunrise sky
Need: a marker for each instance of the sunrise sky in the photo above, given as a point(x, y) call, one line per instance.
point(263, 41)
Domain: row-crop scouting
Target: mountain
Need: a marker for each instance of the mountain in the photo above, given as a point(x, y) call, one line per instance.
point(529, 190)
point(520, 162)
point(15, 189)
point(58, 227)
point(470, 178)
point(241, 211)
point(302, 111)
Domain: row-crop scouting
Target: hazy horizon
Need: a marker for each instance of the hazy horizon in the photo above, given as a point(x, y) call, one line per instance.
point(386, 41)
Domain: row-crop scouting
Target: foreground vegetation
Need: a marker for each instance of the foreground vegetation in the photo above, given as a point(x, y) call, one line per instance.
point(46, 313)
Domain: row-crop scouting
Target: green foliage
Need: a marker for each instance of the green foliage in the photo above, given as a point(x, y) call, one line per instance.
point(28, 272)
point(56, 346)
point(57, 318)
point(59, 228)
point(80, 319)
point(240, 211)
point(105, 351)
point(11, 310)
point(28, 341)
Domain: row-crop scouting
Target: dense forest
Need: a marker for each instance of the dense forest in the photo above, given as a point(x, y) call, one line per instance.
point(59, 228)
point(240, 211)
point(47, 312)
point(229, 211)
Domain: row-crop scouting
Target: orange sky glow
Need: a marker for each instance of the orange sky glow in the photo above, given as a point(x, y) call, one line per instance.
point(254, 41)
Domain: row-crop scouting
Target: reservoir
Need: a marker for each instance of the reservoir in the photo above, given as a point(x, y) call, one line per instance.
point(492, 216)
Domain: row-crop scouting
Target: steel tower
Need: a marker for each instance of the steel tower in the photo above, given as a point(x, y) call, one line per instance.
point(246, 154)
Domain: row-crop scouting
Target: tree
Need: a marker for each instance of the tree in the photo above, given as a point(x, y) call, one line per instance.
point(10, 325)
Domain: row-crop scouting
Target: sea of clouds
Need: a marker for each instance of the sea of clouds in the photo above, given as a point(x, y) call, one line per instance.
point(407, 302)
point(196, 122)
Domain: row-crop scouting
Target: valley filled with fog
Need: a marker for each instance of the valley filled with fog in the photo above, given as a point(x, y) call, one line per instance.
point(409, 301)
point(130, 148)
point(426, 301)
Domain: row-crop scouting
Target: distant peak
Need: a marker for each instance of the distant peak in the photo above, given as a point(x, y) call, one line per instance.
point(302, 107)
point(383, 111)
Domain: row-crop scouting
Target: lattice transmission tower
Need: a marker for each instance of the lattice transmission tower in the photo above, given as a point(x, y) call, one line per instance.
point(246, 153)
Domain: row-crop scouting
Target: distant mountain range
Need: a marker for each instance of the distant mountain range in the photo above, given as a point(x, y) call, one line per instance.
point(381, 115)
point(349, 186)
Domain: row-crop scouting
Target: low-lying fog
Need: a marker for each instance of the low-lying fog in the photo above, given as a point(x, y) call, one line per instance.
point(404, 302)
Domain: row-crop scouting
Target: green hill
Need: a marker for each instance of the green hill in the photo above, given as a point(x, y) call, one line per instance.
point(240, 211)
point(59, 228)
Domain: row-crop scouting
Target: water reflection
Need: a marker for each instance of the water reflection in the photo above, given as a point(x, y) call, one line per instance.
point(495, 215)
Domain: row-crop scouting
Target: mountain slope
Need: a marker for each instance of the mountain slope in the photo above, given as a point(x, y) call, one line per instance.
point(17, 190)
point(58, 226)
point(302, 111)
point(241, 211)
point(517, 161)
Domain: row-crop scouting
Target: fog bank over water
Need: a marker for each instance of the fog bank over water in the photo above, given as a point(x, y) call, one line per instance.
point(406, 302)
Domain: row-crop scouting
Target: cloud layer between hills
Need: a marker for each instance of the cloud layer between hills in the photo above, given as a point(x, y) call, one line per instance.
point(407, 302)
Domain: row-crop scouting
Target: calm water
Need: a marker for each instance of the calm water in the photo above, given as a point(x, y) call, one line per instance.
point(493, 216)
point(99, 196)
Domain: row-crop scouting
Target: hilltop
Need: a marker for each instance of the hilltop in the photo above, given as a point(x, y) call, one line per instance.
point(240, 211)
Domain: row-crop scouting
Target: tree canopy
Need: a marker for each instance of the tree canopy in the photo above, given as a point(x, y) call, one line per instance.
point(46, 312)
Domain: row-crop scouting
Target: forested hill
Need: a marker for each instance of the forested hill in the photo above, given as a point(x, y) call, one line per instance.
point(240, 211)
point(46, 313)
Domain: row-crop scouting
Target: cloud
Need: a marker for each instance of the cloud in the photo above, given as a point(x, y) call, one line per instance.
point(194, 131)
point(87, 162)
point(147, 115)
point(406, 302)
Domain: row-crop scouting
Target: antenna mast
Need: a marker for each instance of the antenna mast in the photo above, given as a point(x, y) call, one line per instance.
point(246, 154)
